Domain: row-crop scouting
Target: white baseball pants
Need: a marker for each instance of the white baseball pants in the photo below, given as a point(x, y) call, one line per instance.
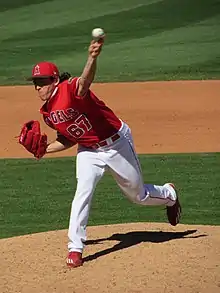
point(121, 160)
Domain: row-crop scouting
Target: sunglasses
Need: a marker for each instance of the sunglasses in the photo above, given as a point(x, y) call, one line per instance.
point(43, 81)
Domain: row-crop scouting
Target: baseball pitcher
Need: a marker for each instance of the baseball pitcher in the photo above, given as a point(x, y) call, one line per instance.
point(104, 142)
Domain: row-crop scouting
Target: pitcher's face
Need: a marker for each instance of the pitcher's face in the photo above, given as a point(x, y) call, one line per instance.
point(45, 87)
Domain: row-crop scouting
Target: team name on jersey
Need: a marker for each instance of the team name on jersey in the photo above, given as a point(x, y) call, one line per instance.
point(60, 116)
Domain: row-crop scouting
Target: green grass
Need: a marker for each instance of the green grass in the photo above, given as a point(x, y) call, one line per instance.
point(146, 39)
point(36, 195)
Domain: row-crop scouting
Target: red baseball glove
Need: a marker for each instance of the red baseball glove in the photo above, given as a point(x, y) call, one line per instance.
point(32, 139)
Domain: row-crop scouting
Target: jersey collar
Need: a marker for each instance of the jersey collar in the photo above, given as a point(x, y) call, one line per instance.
point(54, 92)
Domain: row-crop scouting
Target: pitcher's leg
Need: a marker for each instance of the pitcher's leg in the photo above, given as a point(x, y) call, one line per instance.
point(126, 170)
point(89, 171)
point(158, 195)
point(129, 179)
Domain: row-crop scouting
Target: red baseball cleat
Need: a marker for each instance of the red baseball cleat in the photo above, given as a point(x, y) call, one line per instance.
point(74, 259)
point(174, 212)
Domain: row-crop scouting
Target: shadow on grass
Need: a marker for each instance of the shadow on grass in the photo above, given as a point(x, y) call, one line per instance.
point(129, 239)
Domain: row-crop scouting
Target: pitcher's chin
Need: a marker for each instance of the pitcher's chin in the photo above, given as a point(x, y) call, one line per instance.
point(44, 98)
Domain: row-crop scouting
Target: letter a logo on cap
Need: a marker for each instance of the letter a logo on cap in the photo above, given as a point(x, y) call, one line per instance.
point(37, 70)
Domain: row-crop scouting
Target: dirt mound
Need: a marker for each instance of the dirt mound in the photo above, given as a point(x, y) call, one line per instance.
point(134, 258)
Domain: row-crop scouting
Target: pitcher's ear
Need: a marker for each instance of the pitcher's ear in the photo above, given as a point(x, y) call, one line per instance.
point(57, 81)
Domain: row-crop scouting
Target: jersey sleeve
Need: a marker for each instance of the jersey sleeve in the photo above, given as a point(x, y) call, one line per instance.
point(65, 141)
point(73, 84)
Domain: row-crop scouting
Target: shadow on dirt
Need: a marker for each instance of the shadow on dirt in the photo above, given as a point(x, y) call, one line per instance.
point(129, 239)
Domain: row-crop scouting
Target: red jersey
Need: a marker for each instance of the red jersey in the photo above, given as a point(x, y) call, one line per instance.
point(85, 120)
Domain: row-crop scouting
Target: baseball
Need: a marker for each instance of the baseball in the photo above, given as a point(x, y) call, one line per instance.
point(98, 33)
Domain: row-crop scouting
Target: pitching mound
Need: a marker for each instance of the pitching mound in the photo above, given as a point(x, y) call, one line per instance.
point(134, 258)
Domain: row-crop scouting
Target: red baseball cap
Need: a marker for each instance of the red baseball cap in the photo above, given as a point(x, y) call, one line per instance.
point(43, 70)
